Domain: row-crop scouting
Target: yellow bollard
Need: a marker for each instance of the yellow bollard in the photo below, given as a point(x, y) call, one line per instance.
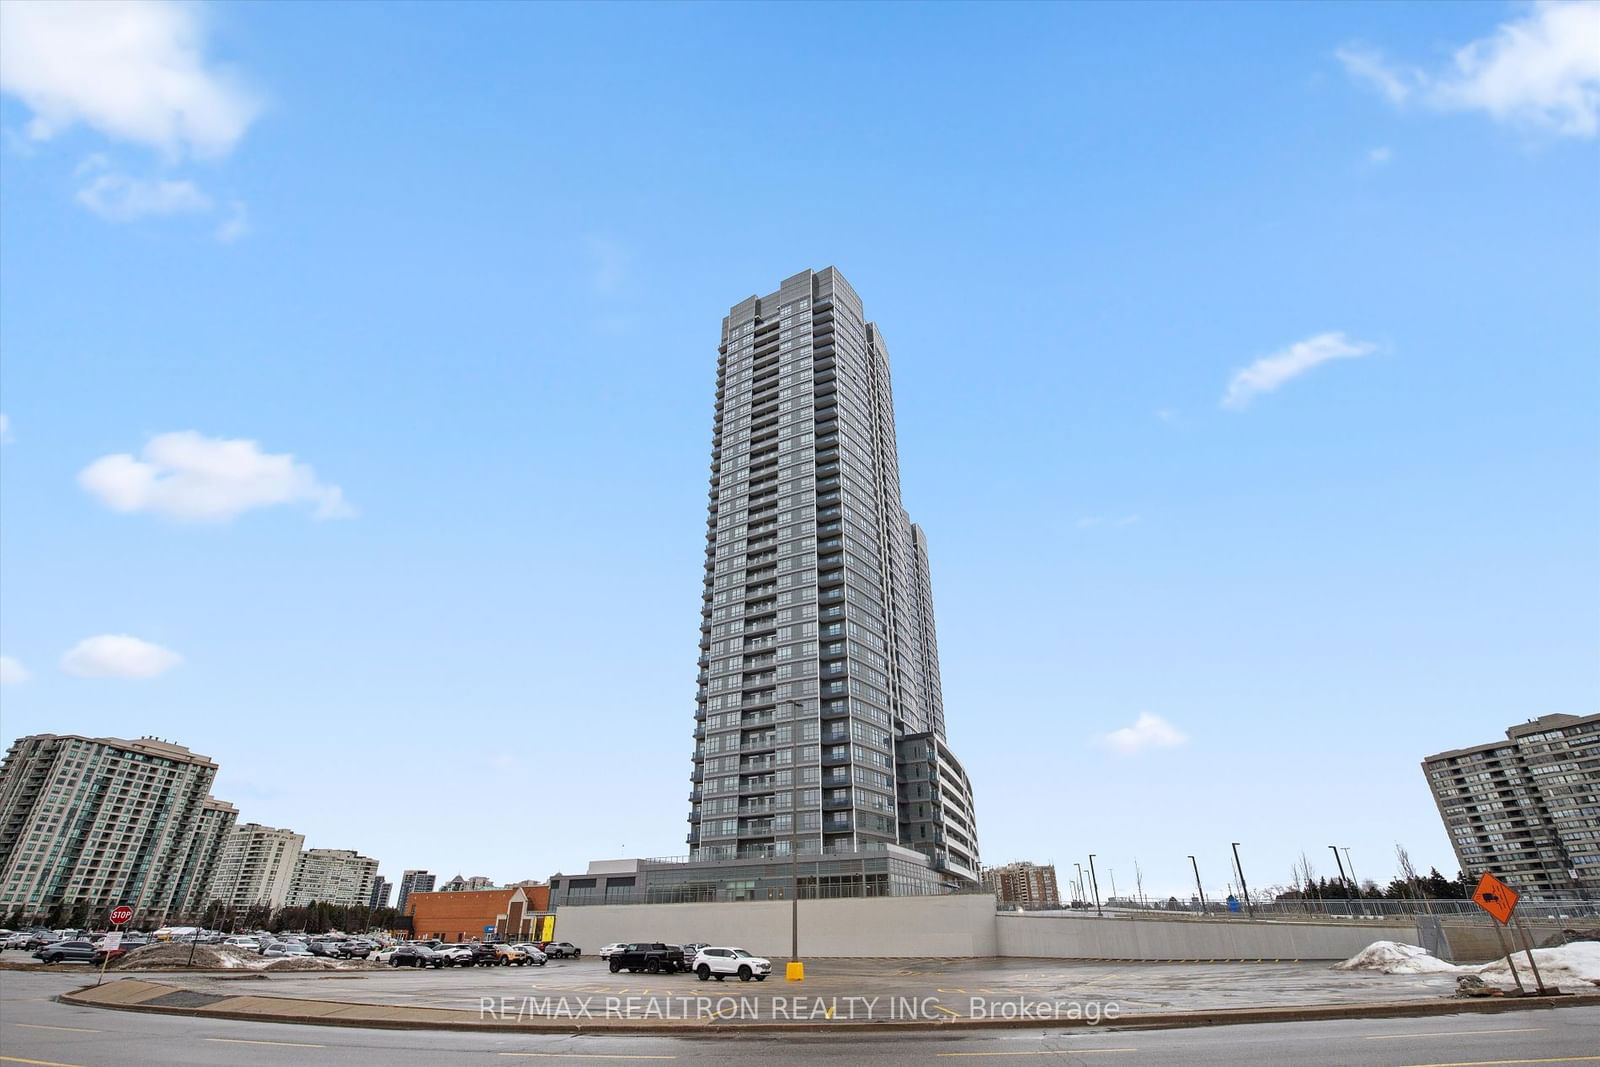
point(795, 972)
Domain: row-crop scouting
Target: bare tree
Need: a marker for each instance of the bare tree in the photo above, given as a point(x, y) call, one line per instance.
point(1305, 876)
point(1138, 880)
point(1408, 873)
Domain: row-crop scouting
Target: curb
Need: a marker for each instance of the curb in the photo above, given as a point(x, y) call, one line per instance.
point(1152, 1021)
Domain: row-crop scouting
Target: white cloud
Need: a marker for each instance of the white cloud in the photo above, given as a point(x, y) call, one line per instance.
point(118, 656)
point(1147, 731)
point(608, 263)
point(1380, 155)
point(5, 428)
point(1368, 65)
point(12, 671)
point(236, 225)
point(1269, 372)
point(120, 198)
point(1541, 70)
point(136, 70)
point(190, 476)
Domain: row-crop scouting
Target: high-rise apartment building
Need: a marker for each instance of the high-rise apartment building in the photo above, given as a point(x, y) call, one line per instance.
point(1023, 885)
point(818, 653)
point(332, 876)
point(256, 867)
point(88, 823)
point(217, 820)
point(1527, 808)
point(413, 881)
point(380, 892)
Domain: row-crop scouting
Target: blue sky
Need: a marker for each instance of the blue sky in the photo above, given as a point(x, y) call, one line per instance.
point(465, 264)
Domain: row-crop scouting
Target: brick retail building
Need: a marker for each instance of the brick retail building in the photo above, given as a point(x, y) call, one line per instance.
point(514, 913)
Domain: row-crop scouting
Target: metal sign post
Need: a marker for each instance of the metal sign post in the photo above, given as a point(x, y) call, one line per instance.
point(1527, 947)
point(1511, 962)
point(1499, 900)
point(119, 917)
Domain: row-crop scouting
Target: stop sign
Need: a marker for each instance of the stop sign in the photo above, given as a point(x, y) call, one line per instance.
point(121, 914)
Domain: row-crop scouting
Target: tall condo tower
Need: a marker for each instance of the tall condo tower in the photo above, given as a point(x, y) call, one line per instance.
point(819, 717)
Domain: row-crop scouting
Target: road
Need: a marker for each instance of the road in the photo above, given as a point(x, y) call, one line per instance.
point(34, 1029)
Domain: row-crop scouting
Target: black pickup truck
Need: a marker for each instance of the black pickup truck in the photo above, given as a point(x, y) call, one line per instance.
point(652, 957)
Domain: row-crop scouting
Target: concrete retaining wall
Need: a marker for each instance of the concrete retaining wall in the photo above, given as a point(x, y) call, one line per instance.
point(1078, 936)
point(965, 926)
point(892, 926)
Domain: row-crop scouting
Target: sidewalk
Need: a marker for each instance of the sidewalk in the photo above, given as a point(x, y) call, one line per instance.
point(132, 994)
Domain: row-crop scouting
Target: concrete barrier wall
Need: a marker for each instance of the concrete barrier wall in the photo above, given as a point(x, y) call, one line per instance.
point(962, 925)
point(1077, 936)
point(965, 926)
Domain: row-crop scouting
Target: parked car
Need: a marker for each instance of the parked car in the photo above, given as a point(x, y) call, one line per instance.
point(484, 953)
point(562, 950)
point(512, 955)
point(243, 942)
point(535, 954)
point(287, 948)
point(607, 950)
point(693, 948)
point(352, 950)
point(652, 957)
point(719, 963)
point(416, 956)
point(456, 955)
point(76, 951)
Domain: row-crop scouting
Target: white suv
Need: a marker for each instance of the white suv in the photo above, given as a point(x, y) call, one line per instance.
point(719, 963)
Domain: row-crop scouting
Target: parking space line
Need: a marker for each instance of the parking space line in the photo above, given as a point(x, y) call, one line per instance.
point(1042, 1052)
point(1451, 1033)
point(246, 1041)
point(40, 1063)
point(47, 1026)
point(947, 1011)
point(587, 1056)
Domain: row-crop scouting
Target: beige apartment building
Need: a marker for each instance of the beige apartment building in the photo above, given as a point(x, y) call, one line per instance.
point(256, 867)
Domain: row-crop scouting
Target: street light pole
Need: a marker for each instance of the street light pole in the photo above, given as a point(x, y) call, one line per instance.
point(1352, 865)
point(1095, 882)
point(1196, 864)
point(1342, 877)
point(1243, 886)
point(796, 970)
point(1079, 884)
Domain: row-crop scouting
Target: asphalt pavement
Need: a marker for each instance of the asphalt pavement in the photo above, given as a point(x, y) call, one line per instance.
point(34, 1029)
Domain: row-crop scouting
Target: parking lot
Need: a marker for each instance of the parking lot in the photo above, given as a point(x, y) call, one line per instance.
point(842, 990)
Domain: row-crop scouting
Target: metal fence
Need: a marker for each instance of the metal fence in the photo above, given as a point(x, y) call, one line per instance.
point(1375, 910)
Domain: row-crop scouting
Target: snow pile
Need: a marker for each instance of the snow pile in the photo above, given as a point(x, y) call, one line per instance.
point(1396, 957)
point(1573, 965)
point(172, 956)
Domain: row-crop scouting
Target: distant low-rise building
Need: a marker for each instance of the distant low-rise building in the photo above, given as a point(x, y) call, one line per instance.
point(1024, 885)
point(1526, 809)
point(459, 884)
